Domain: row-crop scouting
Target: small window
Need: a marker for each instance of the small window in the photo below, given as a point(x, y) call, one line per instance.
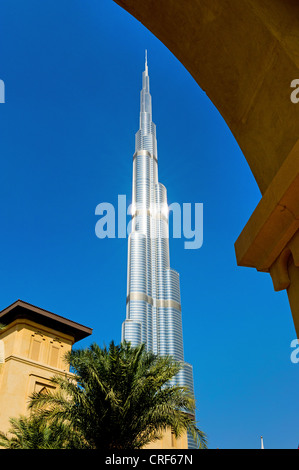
point(54, 356)
point(35, 349)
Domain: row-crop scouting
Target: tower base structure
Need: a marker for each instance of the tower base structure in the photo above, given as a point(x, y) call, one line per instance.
point(168, 441)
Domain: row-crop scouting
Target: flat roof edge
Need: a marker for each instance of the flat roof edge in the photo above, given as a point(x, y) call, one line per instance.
point(78, 330)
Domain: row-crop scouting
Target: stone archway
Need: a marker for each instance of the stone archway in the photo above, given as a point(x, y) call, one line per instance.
point(245, 55)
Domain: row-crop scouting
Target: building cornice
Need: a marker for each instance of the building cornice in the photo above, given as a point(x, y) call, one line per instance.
point(39, 365)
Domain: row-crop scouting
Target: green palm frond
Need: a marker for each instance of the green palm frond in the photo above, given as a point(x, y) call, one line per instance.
point(120, 398)
point(35, 433)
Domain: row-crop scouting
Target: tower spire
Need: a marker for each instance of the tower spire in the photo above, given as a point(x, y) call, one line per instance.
point(146, 135)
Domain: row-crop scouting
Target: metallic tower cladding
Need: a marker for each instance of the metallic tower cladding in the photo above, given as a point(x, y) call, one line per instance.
point(153, 289)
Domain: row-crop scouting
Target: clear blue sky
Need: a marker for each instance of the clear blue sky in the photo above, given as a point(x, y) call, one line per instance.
point(72, 70)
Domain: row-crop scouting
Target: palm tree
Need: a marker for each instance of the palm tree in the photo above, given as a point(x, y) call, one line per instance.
point(120, 398)
point(35, 433)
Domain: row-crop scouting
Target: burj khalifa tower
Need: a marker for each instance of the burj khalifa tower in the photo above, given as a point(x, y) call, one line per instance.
point(153, 314)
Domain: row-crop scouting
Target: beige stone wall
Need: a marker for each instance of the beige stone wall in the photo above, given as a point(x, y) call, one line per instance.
point(32, 355)
point(169, 441)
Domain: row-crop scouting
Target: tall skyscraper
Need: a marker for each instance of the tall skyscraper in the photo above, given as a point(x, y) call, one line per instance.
point(153, 288)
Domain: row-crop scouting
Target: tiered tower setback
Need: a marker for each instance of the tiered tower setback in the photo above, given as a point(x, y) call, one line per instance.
point(153, 288)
